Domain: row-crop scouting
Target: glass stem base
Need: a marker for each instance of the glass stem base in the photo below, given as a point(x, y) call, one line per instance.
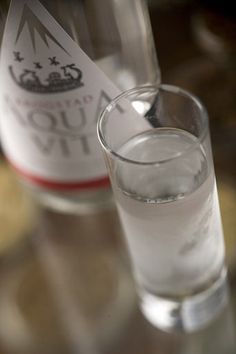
point(189, 314)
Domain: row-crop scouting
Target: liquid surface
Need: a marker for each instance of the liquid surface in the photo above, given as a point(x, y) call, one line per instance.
point(164, 181)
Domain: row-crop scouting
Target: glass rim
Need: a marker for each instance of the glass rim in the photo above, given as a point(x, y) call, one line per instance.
point(153, 88)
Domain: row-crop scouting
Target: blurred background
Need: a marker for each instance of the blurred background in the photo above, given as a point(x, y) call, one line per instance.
point(65, 280)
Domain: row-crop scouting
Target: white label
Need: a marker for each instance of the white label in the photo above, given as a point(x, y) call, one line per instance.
point(51, 95)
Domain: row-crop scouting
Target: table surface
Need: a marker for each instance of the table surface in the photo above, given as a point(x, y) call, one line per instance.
point(65, 280)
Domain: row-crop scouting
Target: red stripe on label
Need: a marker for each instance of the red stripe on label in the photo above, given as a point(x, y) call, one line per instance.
point(91, 184)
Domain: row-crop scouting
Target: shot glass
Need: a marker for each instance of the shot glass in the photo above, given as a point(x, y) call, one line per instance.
point(157, 149)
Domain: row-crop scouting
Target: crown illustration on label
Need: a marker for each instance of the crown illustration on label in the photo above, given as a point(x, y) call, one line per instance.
point(68, 79)
point(63, 77)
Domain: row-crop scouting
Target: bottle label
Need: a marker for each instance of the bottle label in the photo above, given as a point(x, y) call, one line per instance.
point(51, 94)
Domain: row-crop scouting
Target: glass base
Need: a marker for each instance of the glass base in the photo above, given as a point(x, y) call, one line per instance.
point(189, 314)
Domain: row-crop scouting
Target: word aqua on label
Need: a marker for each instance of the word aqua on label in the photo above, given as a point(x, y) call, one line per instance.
point(59, 130)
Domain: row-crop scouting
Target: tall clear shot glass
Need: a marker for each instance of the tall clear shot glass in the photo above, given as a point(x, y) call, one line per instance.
point(157, 149)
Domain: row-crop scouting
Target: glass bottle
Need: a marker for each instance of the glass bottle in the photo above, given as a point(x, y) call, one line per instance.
point(61, 62)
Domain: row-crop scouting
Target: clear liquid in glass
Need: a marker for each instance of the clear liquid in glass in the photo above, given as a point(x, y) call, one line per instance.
point(170, 213)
